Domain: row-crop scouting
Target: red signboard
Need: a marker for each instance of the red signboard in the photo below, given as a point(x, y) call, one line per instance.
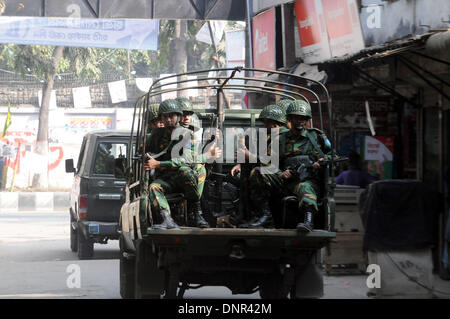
point(312, 30)
point(307, 22)
point(264, 40)
point(337, 17)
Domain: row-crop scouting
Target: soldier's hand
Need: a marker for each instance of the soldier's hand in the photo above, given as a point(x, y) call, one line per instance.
point(286, 174)
point(235, 169)
point(317, 164)
point(150, 163)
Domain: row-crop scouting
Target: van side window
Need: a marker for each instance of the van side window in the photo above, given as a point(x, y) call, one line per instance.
point(80, 157)
point(105, 155)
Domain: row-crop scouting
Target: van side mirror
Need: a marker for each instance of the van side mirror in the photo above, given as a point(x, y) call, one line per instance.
point(119, 167)
point(69, 166)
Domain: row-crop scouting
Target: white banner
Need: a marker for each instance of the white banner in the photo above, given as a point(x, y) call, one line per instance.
point(118, 91)
point(104, 33)
point(81, 97)
point(217, 28)
point(144, 84)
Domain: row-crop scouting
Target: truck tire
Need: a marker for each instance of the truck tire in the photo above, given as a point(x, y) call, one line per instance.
point(127, 274)
point(146, 272)
point(85, 246)
point(272, 287)
point(73, 237)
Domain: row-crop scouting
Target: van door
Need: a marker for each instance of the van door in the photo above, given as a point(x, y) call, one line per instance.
point(106, 193)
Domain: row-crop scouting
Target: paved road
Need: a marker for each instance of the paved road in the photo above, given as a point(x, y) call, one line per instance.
point(36, 262)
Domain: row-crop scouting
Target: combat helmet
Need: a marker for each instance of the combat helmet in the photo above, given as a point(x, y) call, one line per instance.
point(170, 106)
point(153, 112)
point(273, 112)
point(299, 107)
point(185, 105)
point(284, 103)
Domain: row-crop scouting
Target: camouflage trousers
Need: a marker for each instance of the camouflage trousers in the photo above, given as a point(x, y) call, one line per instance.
point(183, 180)
point(200, 174)
point(263, 186)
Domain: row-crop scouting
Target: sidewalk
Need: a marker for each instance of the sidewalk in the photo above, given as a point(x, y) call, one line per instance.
point(33, 201)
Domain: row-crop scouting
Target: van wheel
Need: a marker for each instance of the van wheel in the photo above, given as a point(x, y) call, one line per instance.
point(85, 246)
point(73, 237)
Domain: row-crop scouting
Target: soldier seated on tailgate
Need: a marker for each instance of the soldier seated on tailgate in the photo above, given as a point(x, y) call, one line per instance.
point(301, 150)
point(173, 174)
point(273, 117)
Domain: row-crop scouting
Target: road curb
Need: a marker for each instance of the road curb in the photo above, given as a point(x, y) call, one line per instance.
point(37, 201)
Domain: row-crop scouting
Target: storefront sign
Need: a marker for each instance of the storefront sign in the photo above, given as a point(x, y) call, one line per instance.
point(312, 31)
point(264, 40)
point(328, 28)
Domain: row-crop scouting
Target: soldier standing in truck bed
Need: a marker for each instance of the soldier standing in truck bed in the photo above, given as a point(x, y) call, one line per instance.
point(299, 142)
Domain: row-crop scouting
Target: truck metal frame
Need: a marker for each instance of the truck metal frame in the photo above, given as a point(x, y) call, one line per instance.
point(278, 262)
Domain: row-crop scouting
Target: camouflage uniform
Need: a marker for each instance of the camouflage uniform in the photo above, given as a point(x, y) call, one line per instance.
point(175, 174)
point(294, 143)
point(200, 160)
point(263, 217)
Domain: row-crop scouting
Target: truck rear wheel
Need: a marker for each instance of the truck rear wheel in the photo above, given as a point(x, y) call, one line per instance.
point(85, 246)
point(127, 274)
point(272, 287)
point(147, 276)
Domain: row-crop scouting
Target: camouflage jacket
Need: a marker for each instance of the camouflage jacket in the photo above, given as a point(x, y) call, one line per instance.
point(160, 140)
point(299, 144)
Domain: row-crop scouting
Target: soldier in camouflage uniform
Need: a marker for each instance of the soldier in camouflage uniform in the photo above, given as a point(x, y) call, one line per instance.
point(284, 103)
point(272, 116)
point(298, 141)
point(173, 174)
point(154, 121)
point(187, 121)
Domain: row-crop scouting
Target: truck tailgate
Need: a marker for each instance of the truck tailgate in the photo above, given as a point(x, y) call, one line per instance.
point(256, 242)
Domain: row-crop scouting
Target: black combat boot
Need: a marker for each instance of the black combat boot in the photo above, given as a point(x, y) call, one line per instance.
point(168, 222)
point(195, 215)
point(253, 220)
point(307, 226)
point(266, 219)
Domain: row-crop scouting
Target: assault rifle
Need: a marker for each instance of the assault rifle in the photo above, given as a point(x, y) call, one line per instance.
point(301, 165)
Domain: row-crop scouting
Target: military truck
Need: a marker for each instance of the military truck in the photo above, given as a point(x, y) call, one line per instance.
point(279, 262)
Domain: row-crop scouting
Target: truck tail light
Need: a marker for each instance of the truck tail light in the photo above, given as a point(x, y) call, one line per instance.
point(82, 206)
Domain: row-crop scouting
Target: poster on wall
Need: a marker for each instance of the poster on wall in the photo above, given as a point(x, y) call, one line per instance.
point(264, 40)
point(328, 28)
point(378, 153)
point(312, 31)
point(343, 27)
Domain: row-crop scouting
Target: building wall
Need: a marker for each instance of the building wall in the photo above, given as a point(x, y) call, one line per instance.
point(66, 130)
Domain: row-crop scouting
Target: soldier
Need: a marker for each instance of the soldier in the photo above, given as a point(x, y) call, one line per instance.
point(104, 162)
point(299, 142)
point(154, 121)
point(284, 103)
point(190, 122)
point(173, 174)
point(272, 116)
